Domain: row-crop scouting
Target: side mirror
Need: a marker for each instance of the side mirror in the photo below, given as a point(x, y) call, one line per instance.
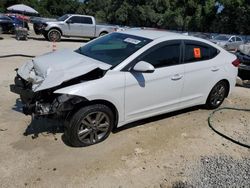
point(230, 40)
point(69, 21)
point(144, 67)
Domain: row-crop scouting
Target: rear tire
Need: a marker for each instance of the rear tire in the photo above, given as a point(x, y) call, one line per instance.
point(90, 125)
point(217, 95)
point(54, 35)
point(102, 34)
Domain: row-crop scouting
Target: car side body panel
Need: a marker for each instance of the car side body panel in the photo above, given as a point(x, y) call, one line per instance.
point(138, 95)
point(110, 88)
point(147, 94)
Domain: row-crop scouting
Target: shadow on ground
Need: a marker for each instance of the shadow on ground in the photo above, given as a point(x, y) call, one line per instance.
point(18, 107)
point(62, 40)
point(156, 118)
point(50, 126)
point(43, 125)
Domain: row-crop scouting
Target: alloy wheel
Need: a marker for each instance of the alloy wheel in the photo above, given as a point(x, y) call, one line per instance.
point(218, 94)
point(93, 127)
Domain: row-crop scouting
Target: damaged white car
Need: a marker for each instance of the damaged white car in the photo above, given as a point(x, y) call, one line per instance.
point(123, 77)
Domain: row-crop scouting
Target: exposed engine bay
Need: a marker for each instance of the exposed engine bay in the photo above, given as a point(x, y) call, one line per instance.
point(46, 102)
point(38, 98)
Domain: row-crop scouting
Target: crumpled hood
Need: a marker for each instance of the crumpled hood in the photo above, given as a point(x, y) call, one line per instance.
point(52, 69)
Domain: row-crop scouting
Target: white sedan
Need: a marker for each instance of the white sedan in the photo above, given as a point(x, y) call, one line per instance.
point(123, 77)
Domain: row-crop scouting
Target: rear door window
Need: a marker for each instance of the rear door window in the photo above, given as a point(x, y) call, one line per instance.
point(165, 55)
point(198, 51)
point(87, 20)
point(238, 39)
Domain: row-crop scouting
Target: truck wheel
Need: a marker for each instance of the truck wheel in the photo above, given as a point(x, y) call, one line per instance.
point(217, 95)
point(90, 125)
point(103, 33)
point(54, 35)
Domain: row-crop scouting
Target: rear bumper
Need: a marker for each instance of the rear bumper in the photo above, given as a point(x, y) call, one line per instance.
point(244, 72)
point(244, 67)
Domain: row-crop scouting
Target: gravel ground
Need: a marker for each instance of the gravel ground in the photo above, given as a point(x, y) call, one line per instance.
point(221, 171)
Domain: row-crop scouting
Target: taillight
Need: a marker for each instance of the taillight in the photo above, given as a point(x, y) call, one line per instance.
point(236, 63)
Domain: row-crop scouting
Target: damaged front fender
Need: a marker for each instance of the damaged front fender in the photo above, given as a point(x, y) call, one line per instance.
point(61, 104)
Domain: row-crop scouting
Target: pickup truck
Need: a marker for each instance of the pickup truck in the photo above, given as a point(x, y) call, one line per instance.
point(74, 25)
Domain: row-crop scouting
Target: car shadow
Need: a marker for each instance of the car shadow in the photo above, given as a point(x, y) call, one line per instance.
point(43, 125)
point(50, 126)
point(155, 118)
point(18, 107)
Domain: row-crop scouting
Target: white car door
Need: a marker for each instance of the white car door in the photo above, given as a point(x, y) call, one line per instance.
point(74, 26)
point(154, 93)
point(201, 72)
point(232, 43)
point(88, 27)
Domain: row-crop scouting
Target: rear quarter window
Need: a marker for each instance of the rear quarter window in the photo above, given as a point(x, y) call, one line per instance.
point(87, 20)
point(198, 51)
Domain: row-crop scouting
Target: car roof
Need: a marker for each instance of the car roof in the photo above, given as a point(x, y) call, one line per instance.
point(151, 33)
point(155, 34)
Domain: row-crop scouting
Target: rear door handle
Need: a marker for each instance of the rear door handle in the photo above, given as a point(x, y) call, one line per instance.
point(177, 77)
point(214, 69)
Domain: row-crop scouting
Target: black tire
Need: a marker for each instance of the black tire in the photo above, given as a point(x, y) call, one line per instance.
point(102, 34)
point(217, 95)
point(45, 35)
point(54, 35)
point(90, 125)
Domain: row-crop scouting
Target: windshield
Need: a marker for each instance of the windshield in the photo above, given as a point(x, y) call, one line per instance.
point(222, 37)
point(113, 48)
point(63, 18)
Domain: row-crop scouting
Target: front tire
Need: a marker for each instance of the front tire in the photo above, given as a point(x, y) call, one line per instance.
point(90, 125)
point(217, 95)
point(54, 35)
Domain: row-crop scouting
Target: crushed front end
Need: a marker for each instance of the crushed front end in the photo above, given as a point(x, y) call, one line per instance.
point(43, 103)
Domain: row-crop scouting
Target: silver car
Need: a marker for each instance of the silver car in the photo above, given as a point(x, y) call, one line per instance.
point(228, 42)
point(75, 25)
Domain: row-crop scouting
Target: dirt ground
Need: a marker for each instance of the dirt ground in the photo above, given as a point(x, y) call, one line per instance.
point(156, 152)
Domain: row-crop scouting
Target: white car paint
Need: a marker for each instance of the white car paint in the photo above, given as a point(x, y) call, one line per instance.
point(52, 69)
point(139, 95)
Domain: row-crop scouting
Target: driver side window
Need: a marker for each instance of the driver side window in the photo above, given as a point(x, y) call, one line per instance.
point(232, 39)
point(75, 19)
point(166, 55)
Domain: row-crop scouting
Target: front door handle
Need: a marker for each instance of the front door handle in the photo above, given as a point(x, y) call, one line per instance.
point(177, 77)
point(214, 69)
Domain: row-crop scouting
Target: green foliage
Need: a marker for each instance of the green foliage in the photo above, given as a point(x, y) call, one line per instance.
point(189, 15)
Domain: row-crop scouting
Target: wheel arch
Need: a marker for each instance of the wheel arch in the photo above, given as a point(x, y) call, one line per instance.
point(227, 84)
point(85, 102)
point(222, 80)
point(105, 32)
point(56, 28)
